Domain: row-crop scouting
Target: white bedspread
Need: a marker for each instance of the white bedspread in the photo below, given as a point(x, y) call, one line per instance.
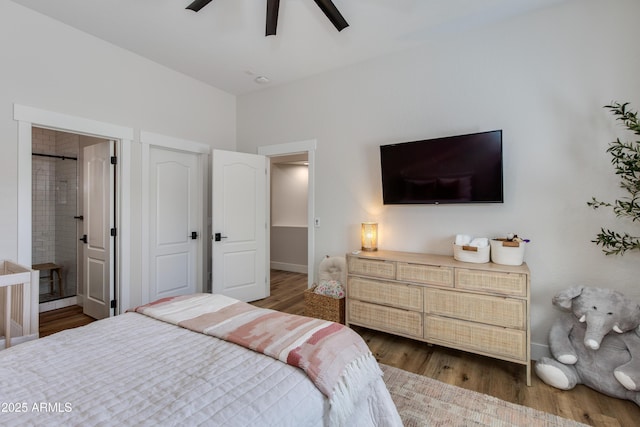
point(134, 370)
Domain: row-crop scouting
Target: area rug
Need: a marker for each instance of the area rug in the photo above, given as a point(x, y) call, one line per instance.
point(423, 401)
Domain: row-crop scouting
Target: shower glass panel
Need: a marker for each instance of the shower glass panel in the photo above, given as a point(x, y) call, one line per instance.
point(54, 206)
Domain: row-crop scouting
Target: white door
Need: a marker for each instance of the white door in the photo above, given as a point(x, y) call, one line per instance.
point(239, 225)
point(98, 222)
point(175, 222)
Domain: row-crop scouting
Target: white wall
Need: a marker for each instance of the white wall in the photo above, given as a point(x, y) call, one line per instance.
point(50, 66)
point(542, 78)
point(288, 237)
point(289, 192)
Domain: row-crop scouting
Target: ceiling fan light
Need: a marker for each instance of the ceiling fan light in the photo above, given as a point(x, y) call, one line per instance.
point(198, 4)
point(333, 14)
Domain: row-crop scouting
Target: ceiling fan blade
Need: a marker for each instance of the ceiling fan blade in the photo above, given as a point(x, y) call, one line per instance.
point(332, 12)
point(198, 4)
point(273, 6)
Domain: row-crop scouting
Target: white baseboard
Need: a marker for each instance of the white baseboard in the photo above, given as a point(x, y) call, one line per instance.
point(60, 303)
point(294, 268)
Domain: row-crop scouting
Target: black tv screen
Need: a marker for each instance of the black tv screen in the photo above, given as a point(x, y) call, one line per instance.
point(454, 169)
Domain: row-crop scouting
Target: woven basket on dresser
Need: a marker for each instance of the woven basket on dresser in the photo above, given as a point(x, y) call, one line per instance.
point(323, 307)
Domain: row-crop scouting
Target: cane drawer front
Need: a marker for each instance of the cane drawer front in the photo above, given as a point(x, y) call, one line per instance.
point(372, 267)
point(386, 319)
point(491, 310)
point(514, 284)
point(490, 340)
point(426, 274)
point(387, 293)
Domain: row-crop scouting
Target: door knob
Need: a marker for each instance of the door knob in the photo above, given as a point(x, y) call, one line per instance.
point(194, 235)
point(218, 237)
point(83, 239)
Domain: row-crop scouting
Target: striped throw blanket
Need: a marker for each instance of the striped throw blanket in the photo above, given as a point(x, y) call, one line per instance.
point(333, 356)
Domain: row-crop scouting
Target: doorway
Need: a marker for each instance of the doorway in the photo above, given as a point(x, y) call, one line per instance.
point(289, 217)
point(29, 118)
point(54, 200)
point(57, 214)
point(237, 232)
point(307, 149)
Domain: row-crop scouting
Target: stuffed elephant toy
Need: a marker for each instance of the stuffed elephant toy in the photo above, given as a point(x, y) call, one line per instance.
point(595, 342)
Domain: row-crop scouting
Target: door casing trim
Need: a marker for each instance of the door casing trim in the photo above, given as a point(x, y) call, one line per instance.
point(308, 147)
point(29, 117)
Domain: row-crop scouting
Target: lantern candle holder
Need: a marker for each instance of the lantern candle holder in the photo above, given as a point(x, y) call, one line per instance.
point(369, 236)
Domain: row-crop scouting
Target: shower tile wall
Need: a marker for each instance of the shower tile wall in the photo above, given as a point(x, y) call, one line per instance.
point(43, 208)
point(54, 206)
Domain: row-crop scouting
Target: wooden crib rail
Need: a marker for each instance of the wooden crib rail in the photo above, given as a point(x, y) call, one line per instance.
point(20, 300)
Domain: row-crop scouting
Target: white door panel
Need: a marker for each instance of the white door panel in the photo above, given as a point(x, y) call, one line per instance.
point(172, 200)
point(239, 217)
point(97, 270)
point(240, 269)
point(175, 193)
point(173, 274)
point(98, 222)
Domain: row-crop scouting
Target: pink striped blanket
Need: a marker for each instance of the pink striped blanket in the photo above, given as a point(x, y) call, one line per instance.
point(333, 356)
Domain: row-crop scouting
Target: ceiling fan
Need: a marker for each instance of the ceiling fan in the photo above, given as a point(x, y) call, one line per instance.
point(327, 6)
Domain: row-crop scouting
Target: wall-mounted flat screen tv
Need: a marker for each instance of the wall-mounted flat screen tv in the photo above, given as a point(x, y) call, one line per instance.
point(454, 169)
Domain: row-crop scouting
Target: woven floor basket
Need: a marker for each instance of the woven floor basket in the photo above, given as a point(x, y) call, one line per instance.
point(323, 307)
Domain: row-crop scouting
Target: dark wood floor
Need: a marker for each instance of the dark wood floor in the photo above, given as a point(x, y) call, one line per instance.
point(482, 374)
point(63, 318)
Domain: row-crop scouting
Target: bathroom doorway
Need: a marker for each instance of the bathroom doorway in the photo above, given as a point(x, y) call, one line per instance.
point(57, 217)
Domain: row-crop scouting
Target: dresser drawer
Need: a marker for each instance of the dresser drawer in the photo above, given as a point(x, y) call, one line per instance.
point(427, 274)
point(372, 267)
point(488, 281)
point(386, 319)
point(498, 311)
point(393, 294)
point(476, 337)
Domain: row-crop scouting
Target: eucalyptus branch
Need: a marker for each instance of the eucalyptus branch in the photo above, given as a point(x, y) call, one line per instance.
point(615, 243)
point(626, 161)
point(595, 204)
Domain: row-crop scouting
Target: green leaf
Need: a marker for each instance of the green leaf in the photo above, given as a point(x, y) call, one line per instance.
point(625, 158)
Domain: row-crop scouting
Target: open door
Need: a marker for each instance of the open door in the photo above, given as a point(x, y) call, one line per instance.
point(239, 225)
point(98, 223)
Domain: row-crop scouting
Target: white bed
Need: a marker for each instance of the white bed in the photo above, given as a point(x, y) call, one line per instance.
point(135, 370)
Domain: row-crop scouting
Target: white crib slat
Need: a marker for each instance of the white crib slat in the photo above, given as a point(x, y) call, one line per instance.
point(19, 304)
point(7, 316)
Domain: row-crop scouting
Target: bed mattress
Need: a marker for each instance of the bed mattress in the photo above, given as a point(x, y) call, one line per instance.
point(135, 370)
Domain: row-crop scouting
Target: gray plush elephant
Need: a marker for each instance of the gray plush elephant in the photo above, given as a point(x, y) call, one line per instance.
point(595, 343)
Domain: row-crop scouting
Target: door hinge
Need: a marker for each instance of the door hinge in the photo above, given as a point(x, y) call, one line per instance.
point(114, 232)
point(113, 303)
point(114, 160)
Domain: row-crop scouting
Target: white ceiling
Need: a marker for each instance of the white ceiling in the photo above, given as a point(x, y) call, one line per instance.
point(224, 44)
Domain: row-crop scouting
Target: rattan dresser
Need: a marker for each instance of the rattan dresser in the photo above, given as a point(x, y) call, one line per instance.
point(480, 308)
